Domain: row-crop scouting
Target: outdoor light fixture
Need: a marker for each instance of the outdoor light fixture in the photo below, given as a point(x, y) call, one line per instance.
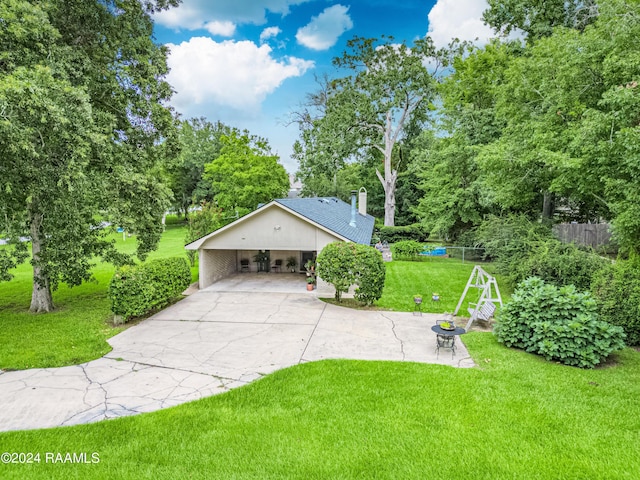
point(277, 228)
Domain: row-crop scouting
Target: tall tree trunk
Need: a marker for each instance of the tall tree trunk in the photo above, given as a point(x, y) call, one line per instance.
point(390, 175)
point(41, 298)
point(390, 205)
point(389, 185)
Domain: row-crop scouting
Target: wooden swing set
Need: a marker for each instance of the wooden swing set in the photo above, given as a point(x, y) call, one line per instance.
point(489, 296)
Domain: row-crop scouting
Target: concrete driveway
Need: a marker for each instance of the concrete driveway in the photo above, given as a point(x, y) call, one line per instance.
point(206, 344)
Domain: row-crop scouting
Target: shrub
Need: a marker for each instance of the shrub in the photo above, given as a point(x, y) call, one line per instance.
point(336, 265)
point(560, 324)
point(414, 232)
point(407, 249)
point(617, 292)
point(136, 290)
point(562, 264)
point(344, 264)
point(506, 238)
point(175, 219)
point(522, 249)
point(370, 274)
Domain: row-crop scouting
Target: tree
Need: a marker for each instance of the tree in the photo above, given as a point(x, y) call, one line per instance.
point(388, 92)
point(323, 150)
point(202, 222)
point(607, 142)
point(199, 144)
point(451, 200)
point(245, 174)
point(569, 106)
point(446, 166)
point(82, 128)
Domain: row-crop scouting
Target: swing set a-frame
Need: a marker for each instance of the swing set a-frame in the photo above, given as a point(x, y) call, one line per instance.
point(489, 296)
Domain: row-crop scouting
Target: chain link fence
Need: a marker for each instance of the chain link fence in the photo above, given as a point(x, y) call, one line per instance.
point(466, 254)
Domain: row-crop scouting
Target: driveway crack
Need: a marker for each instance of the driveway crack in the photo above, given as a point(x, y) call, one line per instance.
point(395, 334)
point(324, 307)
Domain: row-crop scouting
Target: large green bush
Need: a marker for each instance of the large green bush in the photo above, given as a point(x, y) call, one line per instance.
point(407, 250)
point(343, 264)
point(558, 323)
point(617, 292)
point(136, 290)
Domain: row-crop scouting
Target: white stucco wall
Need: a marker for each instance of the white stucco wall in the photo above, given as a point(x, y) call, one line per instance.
point(271, 229)
point(282, 233)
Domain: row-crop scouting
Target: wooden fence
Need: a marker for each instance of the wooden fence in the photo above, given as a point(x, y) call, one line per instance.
point(590, 234)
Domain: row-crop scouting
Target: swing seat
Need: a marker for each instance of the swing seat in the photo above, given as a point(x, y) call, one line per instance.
point(485, 312)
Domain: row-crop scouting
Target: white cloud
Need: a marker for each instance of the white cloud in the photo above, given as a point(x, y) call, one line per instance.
point(269, 32)
point(224, 29)
point(194, 14)
point(323, 31)
point(458, 19)
point(232, 76)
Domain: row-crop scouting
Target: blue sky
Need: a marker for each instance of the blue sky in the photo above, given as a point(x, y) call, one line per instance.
point(250, 63)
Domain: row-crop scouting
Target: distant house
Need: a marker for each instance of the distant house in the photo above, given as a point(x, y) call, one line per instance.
point(283, 228)
point(295, 186)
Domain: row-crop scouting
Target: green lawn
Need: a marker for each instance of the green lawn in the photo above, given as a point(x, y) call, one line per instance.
point(77, 331)
point(516, 416)
point(445, 276)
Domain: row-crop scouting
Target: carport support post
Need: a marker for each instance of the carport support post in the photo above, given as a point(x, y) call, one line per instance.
point(201, 268)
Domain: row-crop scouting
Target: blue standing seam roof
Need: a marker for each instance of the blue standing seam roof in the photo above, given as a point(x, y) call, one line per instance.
point(333, 214)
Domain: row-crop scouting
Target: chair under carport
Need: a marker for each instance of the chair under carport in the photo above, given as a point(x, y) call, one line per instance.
point(277, 266)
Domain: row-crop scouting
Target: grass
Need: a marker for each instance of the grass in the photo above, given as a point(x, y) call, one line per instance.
point(445, 276)
point(77, 331)
point(516, 416)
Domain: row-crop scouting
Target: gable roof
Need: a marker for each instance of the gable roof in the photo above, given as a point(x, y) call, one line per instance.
point(333, 214)
point(328, 213)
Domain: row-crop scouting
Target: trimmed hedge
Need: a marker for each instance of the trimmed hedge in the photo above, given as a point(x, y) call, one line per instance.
point(561, 324)
point(138, 289)
point(407, 250)
point(415, 232)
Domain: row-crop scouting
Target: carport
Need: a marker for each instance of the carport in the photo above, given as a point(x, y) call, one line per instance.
point(283, 228)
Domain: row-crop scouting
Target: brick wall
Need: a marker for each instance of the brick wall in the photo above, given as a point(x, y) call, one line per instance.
point(215, 265)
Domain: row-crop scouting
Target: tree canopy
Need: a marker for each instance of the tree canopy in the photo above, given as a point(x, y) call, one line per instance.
point(245, 174)
point(538, 18)
point(83, 127)
point(200, 143)
point(542, 127)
